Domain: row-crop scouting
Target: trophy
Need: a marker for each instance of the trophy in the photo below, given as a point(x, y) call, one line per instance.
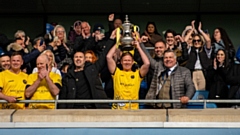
point(126, 38)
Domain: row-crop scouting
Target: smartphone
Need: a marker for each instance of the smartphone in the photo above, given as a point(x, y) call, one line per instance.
point(41, 42)
point(47, 67)
point(102, 31)
point(18, 97)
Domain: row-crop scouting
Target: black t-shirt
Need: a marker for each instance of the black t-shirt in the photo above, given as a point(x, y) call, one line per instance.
point(83, 90)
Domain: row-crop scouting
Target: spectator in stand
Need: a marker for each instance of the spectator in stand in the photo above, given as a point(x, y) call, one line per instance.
point(221, 40)
point(100, 40)
point(188, 33)
point(28, 57)
point(75, 31)
point(90, 56)
point(159, 49)
point(86, 41)
point(176, 43)
point(82, 80)
point(43, 85)
point(113, 23)
point(216, 77)
point(63, 52)
point(127, 80)
point(199, 58)
point(171, 82)
point(13, 83)
point(4, 62)
point(150, 35)
point(233, 80)
point(51, 65)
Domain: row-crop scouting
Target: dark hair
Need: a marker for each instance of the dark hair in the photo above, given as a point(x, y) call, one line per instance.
point(16, 53)
point(225, 38)
point(4, 54)
point(36, 39)
point(170, 31)
point(162, 41)
point(155, 27)
point(226, 61)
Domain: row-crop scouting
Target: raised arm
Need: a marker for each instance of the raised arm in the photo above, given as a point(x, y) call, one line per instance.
point(152, 61)
point(30, 89)
point(146, 63)
point(110, 61)
point(205, 36)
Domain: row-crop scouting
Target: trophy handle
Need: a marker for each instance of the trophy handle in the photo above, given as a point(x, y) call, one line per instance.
point(136, 28)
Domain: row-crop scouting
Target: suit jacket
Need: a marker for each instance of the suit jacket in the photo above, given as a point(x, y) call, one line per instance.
point(181, 84)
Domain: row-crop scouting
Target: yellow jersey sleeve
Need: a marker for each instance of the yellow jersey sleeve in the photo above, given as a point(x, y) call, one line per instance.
point(31, 79)
point(1, 80)
point(56, 78)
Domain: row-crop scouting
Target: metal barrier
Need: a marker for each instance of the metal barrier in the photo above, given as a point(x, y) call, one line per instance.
point(123, 101)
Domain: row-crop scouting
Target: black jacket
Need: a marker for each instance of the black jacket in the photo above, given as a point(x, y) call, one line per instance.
point(91, 72)
point(204, 60)
point(233, 79)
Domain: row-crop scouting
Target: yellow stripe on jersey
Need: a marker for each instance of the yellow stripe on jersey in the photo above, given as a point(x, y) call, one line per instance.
point(42, 92)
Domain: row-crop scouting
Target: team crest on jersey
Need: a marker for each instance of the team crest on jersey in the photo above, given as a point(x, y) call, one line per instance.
point(132, 76)
point(25, 81)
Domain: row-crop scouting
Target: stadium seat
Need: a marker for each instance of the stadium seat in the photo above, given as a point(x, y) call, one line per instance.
point(200, 95)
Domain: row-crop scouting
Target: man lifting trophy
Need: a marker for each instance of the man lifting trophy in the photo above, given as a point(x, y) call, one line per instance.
point(124, 35)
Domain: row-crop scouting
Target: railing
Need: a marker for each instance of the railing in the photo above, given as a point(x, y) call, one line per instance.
point(124, 101)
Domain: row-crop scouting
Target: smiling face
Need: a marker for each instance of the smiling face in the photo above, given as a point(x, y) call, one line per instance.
point(159, 49)
point(42, 62)
point(127, 62)
point(220, 56)
point(16, 62)
point(169, 59)
point(79, 59)
point(5, 62)
point(197, 42)
point(60, 32)
point(86, 28)
point(170, 39)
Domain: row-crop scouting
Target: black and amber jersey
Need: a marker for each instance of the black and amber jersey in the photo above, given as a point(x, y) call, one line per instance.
point(42, 92)
point(12, 84)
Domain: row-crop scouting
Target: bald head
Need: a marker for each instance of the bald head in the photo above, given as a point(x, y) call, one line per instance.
point(42, 61)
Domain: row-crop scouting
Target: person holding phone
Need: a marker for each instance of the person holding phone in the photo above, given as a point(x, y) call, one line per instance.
point(13, 83)
point(43, 85)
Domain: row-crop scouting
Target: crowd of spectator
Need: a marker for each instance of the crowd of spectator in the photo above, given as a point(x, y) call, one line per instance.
point(87, 64)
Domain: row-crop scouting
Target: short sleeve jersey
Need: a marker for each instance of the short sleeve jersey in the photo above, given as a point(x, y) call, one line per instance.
point(42, 92)
point(13, 85)
point(126, 87)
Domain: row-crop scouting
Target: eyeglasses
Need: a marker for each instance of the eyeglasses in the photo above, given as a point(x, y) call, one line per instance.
point(199, 40)
point(60, 31)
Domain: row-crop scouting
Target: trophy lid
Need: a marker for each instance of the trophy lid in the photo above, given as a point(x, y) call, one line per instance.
point(126, 19)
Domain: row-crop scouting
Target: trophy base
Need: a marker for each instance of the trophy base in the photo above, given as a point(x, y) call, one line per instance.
point(126, 47)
